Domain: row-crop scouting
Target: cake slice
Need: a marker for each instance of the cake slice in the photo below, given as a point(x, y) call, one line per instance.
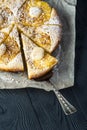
point(34, 13)
point(45, 36)
point(38, 61)
point(10, 53)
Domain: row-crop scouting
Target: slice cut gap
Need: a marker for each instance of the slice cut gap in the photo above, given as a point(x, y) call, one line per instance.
point(22, 53)
point(22, 5)
point(54, 25)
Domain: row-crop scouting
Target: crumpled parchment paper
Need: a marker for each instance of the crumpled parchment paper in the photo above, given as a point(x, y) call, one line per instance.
point(63, 73)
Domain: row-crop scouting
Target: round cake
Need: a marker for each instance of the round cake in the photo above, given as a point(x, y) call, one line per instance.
point(32, 28)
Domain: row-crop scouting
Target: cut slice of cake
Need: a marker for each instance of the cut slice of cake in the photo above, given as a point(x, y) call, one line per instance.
point(38, 61)
point(45, 36)
point(10, 53)
point(34, 13)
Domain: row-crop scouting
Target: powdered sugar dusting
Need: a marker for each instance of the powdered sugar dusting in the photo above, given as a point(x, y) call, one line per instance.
point(14, 5)
point(7, 15)
point(14, 34)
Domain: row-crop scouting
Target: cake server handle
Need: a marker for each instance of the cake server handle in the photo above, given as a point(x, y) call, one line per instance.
point(66, 106)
